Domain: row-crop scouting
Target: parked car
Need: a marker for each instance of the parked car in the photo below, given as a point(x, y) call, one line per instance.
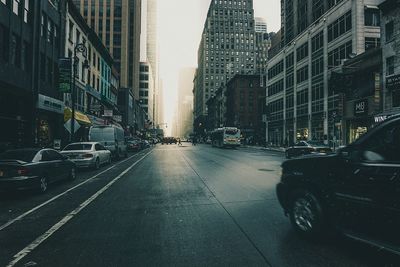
point(33, 168)
point(134, 145)
point(355, 191)
point(111, 137)
point(87, 154)
point(145, 144)
point(169, 140)
point(304, 148)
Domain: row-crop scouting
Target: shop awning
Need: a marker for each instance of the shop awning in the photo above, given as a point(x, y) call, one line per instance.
point(79, 116)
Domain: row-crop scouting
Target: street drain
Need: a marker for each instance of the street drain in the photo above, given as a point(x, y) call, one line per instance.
point(265, 170)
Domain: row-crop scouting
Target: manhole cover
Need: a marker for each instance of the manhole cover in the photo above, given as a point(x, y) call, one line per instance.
point(265, 170)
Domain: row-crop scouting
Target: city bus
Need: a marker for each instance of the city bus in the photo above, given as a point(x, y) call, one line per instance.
point(226, 137)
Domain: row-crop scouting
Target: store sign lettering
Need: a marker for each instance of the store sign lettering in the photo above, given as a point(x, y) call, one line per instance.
point(393, 82)
point(361, 107)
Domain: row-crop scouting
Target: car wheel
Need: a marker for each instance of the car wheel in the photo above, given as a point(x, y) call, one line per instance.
point(97, 164)
point(43, 184)
point(126, 154)
point(72, 174)
point(306, 214)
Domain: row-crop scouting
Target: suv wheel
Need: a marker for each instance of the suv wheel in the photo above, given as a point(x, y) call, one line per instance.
point(306, 214)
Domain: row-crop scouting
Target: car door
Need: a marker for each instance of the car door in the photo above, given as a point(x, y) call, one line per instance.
point(354, 196)
point(106, 153)
point(382, 154)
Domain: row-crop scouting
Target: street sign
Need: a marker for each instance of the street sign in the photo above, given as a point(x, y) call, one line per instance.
point(65, 73)
point(108, 113)
point(67, 125)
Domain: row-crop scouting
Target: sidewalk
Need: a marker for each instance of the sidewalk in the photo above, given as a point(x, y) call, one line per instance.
point(277, 149)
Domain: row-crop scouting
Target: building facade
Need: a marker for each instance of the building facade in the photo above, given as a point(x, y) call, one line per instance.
point(300, 103)
point(390, 27)
point(263, 44)
point(227, 48)
point(30, 43)
point(245, 101)
point(117, 23)
point(146, 93)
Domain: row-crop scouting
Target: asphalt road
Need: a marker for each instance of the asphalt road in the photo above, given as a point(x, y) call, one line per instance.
point(168, 206)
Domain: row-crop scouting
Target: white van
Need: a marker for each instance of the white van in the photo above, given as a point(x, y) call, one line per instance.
point(111, 137)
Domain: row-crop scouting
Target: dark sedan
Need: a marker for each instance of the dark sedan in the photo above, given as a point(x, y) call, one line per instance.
point(304, 148)
point(134, 145)
point(33, 169)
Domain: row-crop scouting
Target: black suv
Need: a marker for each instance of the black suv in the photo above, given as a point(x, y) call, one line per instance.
point(355, 191)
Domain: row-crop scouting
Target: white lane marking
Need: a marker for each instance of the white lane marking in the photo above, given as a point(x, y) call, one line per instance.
point(2, 227)
point(23, 253)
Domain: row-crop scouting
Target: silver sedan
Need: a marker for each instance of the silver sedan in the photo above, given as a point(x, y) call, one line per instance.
point(87, 154)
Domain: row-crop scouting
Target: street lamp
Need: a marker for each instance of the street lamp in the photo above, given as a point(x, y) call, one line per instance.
point(82, 49)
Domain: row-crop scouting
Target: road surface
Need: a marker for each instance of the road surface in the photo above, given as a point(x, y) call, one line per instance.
point(168, 206)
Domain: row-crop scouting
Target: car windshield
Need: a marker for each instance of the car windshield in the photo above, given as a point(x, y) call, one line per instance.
point(78, 147)
point(22, 155)
point(231, 132)
point(316, 143)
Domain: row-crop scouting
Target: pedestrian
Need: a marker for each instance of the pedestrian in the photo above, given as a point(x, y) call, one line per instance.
point(179, 142)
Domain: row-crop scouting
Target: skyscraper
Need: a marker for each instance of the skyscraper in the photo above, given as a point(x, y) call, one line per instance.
point(263, 43)
point(118, 25)
point(185, 99)
point(227, 47)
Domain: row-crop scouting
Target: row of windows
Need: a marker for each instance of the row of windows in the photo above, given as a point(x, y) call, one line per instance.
point(339, 26)
point(317, 66)
point(317, 42)
point(17, 52)
point(20, 8)
point(302, 52)
point(342, 52)
point(302, 74)
point(289, 60)
point(275, 70)
point(275, 88)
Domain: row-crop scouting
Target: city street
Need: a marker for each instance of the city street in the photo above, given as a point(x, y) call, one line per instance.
point(168, 206)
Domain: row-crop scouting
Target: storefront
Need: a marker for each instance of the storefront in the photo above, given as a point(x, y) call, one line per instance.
point(302, 131)
point(359, 118)
point(49, 121)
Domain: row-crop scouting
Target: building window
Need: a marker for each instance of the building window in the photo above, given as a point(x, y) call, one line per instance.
point(372, 17)
point(42, 67)
point(4, 43)
point(16, 4)
point(389, 31)
point(390, 65)
point(26, 11)
point(339, 27)
point(302, 52)
point(302, 74)
point(13, 49)
point(371, 42)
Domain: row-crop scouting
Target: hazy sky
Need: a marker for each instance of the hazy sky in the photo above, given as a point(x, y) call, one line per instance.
point(181, 23)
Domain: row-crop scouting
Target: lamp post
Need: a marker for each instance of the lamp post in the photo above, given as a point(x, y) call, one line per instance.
point(82, 49)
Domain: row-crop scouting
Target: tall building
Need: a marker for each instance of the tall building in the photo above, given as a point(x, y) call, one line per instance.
point(146, 93)
point(227, 47)
point(263, 44)
point(185, 100)
point(318, 37)
point(118, 25)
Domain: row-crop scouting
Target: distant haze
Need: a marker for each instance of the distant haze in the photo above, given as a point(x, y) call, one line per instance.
point(181, 24)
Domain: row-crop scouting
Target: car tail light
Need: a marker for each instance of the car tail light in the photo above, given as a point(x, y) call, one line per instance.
point(22, 172)
point(88, 156)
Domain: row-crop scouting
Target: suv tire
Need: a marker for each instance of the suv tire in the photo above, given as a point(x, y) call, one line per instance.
point(307, 215)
